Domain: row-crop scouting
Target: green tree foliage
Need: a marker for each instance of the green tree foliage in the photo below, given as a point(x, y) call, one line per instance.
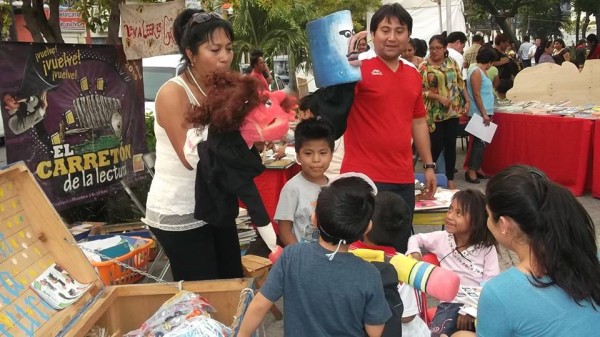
point(545, 18)
point(588, 7)
point(5, 21)
point(256, 28)
point(532, 17)
point(502, 10)
point(278, 26)
point(306, 10)
point(103, 16)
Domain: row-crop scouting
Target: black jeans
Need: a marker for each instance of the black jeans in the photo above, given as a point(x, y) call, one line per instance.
point(444, 138)
point(204, 253)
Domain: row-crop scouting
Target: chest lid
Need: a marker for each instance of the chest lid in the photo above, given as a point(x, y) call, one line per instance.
point(32, 238)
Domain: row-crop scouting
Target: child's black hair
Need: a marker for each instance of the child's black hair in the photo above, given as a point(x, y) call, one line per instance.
point(309, 102)
point(313, 129)
point(344, 210)
point(472, 204)
point(391, 222)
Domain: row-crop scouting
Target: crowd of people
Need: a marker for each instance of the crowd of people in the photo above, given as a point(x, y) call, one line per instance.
point(407, 97)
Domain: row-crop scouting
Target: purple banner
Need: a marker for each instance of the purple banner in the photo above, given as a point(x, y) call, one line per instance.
point(75, 115)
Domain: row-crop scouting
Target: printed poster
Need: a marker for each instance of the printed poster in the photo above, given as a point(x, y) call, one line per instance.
point(75, 115)
point(147, 29)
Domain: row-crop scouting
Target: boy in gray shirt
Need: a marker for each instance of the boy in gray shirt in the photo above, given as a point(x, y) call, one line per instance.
point(326, 290)
point(314, 145)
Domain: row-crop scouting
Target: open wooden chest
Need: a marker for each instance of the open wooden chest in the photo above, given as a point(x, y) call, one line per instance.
point(33, 237)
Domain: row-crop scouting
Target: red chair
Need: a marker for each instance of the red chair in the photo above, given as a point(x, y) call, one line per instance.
point(426, 313)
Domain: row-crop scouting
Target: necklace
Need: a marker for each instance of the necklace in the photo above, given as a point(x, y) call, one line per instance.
point(196, 82)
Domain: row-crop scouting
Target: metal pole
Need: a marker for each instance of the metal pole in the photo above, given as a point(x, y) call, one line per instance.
point(439, 2)
point(449, 16)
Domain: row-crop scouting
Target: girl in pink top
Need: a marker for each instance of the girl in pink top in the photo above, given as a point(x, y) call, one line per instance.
point(466, 247)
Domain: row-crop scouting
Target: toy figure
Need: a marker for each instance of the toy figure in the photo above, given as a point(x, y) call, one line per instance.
point(236, 116)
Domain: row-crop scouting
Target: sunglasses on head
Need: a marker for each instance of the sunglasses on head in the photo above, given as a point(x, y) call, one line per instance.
point(203, 17)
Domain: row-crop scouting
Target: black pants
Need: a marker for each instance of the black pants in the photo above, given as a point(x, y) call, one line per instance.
point(204, 253)
point(444, 138)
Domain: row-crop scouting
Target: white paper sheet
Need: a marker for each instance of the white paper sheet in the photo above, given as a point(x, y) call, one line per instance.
point(479, 130)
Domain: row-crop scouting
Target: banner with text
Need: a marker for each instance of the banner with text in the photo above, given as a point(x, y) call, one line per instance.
point(75, 115)
point(147, 29)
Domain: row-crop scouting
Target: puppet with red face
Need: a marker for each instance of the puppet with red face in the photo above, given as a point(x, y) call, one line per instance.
point(237, 115)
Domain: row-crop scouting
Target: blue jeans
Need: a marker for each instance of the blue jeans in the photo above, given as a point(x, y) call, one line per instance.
point(444, 321)
point(476, 158)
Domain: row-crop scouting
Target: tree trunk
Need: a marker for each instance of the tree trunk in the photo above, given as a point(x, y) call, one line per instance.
point(293, 66)
point(506, 28)
point(54, 21)
point(114, 23)
point(30, 22)
point(41, 29)
point(577, 24)
point(584, 25)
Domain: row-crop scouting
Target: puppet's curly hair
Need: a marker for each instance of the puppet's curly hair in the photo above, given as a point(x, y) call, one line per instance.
point(231, 96)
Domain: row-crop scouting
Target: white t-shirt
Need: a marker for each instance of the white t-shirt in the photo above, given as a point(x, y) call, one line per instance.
point(416, 327)
point(524, 50)
point(532, 51)
point(456, 56)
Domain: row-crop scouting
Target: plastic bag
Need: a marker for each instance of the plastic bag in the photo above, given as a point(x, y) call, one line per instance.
point(173, 313)
point(201, 326)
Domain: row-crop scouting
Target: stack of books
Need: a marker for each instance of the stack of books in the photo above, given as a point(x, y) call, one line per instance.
point(246, 232)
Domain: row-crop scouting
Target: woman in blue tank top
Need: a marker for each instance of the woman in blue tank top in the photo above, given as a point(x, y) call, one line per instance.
point(481, 96)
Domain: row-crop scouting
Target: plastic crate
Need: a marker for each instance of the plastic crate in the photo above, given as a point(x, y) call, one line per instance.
point(113, 274)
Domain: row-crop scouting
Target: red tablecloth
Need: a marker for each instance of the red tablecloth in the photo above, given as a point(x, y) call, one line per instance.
point(269, 185)
point(595, 170)
point(560, 146)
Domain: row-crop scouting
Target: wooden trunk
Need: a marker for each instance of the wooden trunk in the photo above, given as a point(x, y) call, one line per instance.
point(33, 237)
point(124, 308)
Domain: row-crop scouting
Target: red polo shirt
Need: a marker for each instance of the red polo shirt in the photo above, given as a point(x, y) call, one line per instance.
point(379, 132)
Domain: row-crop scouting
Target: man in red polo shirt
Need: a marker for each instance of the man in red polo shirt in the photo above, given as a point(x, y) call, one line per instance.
point(388, 111)
point(260, 69)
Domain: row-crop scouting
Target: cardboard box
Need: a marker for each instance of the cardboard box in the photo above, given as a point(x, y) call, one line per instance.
point(33, 237)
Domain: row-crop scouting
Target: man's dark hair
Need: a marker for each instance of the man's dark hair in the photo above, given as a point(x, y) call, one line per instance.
point(526, 38)
point(592, 38)
point(389, 11)
point(500, 38)
point(485, 55)
point(255, 55)
point(344, 210)
point(456, 36)
point(477, 39)
point(313, 129)
point(391, 221)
